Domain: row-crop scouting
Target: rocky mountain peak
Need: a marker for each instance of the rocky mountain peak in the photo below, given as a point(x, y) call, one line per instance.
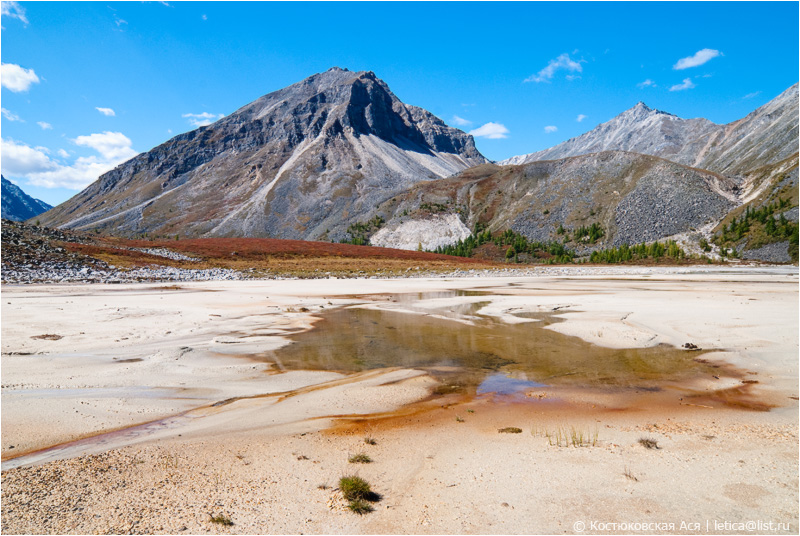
point(301, 162)
point(642, 111)
point(639, 129)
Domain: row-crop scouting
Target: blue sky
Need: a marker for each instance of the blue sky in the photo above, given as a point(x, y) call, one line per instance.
point(87, 85)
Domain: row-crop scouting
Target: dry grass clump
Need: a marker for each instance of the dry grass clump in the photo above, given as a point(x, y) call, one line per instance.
point(360, 458)
point(629, 475)
point(566, 437)
point(510, 430)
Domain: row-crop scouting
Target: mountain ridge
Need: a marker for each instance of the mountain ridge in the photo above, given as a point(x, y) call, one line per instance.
point(699, 143)
point(19, 206)
point(325, 157)
point(638, 129)
point(632, 196)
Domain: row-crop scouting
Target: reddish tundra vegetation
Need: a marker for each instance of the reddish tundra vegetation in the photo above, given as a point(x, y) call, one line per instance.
point(275, 256)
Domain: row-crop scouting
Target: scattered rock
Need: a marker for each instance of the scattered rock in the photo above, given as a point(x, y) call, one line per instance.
point(48, 337)
point(777, 252)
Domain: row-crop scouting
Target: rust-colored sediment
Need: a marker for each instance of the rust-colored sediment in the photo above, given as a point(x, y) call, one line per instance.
point(547, 406)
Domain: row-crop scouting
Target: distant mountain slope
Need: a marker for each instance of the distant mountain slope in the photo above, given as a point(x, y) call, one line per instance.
point(633, 197)
point(19, 206)
point(639, 130)
point(302, 162)
point(766, 136)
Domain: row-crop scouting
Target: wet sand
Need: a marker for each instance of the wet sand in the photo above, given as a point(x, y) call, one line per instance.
point(210, 421)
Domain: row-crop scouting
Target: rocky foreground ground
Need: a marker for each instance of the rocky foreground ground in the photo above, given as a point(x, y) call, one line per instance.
point(436, 476)
point(33, 254)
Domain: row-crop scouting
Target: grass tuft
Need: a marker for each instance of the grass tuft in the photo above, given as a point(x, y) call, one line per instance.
point(510, 430)
point(222, 519)
point(354, 487)
point(358, 493)
point(629, 475)
point(370, 441)
point(360, 458)
point(360, 507)
point(649, 443)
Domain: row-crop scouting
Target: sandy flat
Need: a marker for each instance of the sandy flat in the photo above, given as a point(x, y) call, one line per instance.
point(180, 415)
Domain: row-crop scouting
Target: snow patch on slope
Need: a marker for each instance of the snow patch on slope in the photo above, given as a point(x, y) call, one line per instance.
point(439, 230)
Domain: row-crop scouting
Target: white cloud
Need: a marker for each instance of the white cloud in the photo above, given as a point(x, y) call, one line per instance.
point(19, 159)
point(572, 77)
point(112, 146)
point(11, 116)
point(203, 119)
point(646, 83)
point(687, 84)
point(15, 11)
point(751, 95)
point(35, 165)
point(105, 111)
point(700, 57)
point(205, 17)
point(460, 121)
point(45, 125)
point(493, 131)
point(77, 176)
point(119, 22)
point(550, 128)
point(17, 78)
point(561, 62)
point(580, 118)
